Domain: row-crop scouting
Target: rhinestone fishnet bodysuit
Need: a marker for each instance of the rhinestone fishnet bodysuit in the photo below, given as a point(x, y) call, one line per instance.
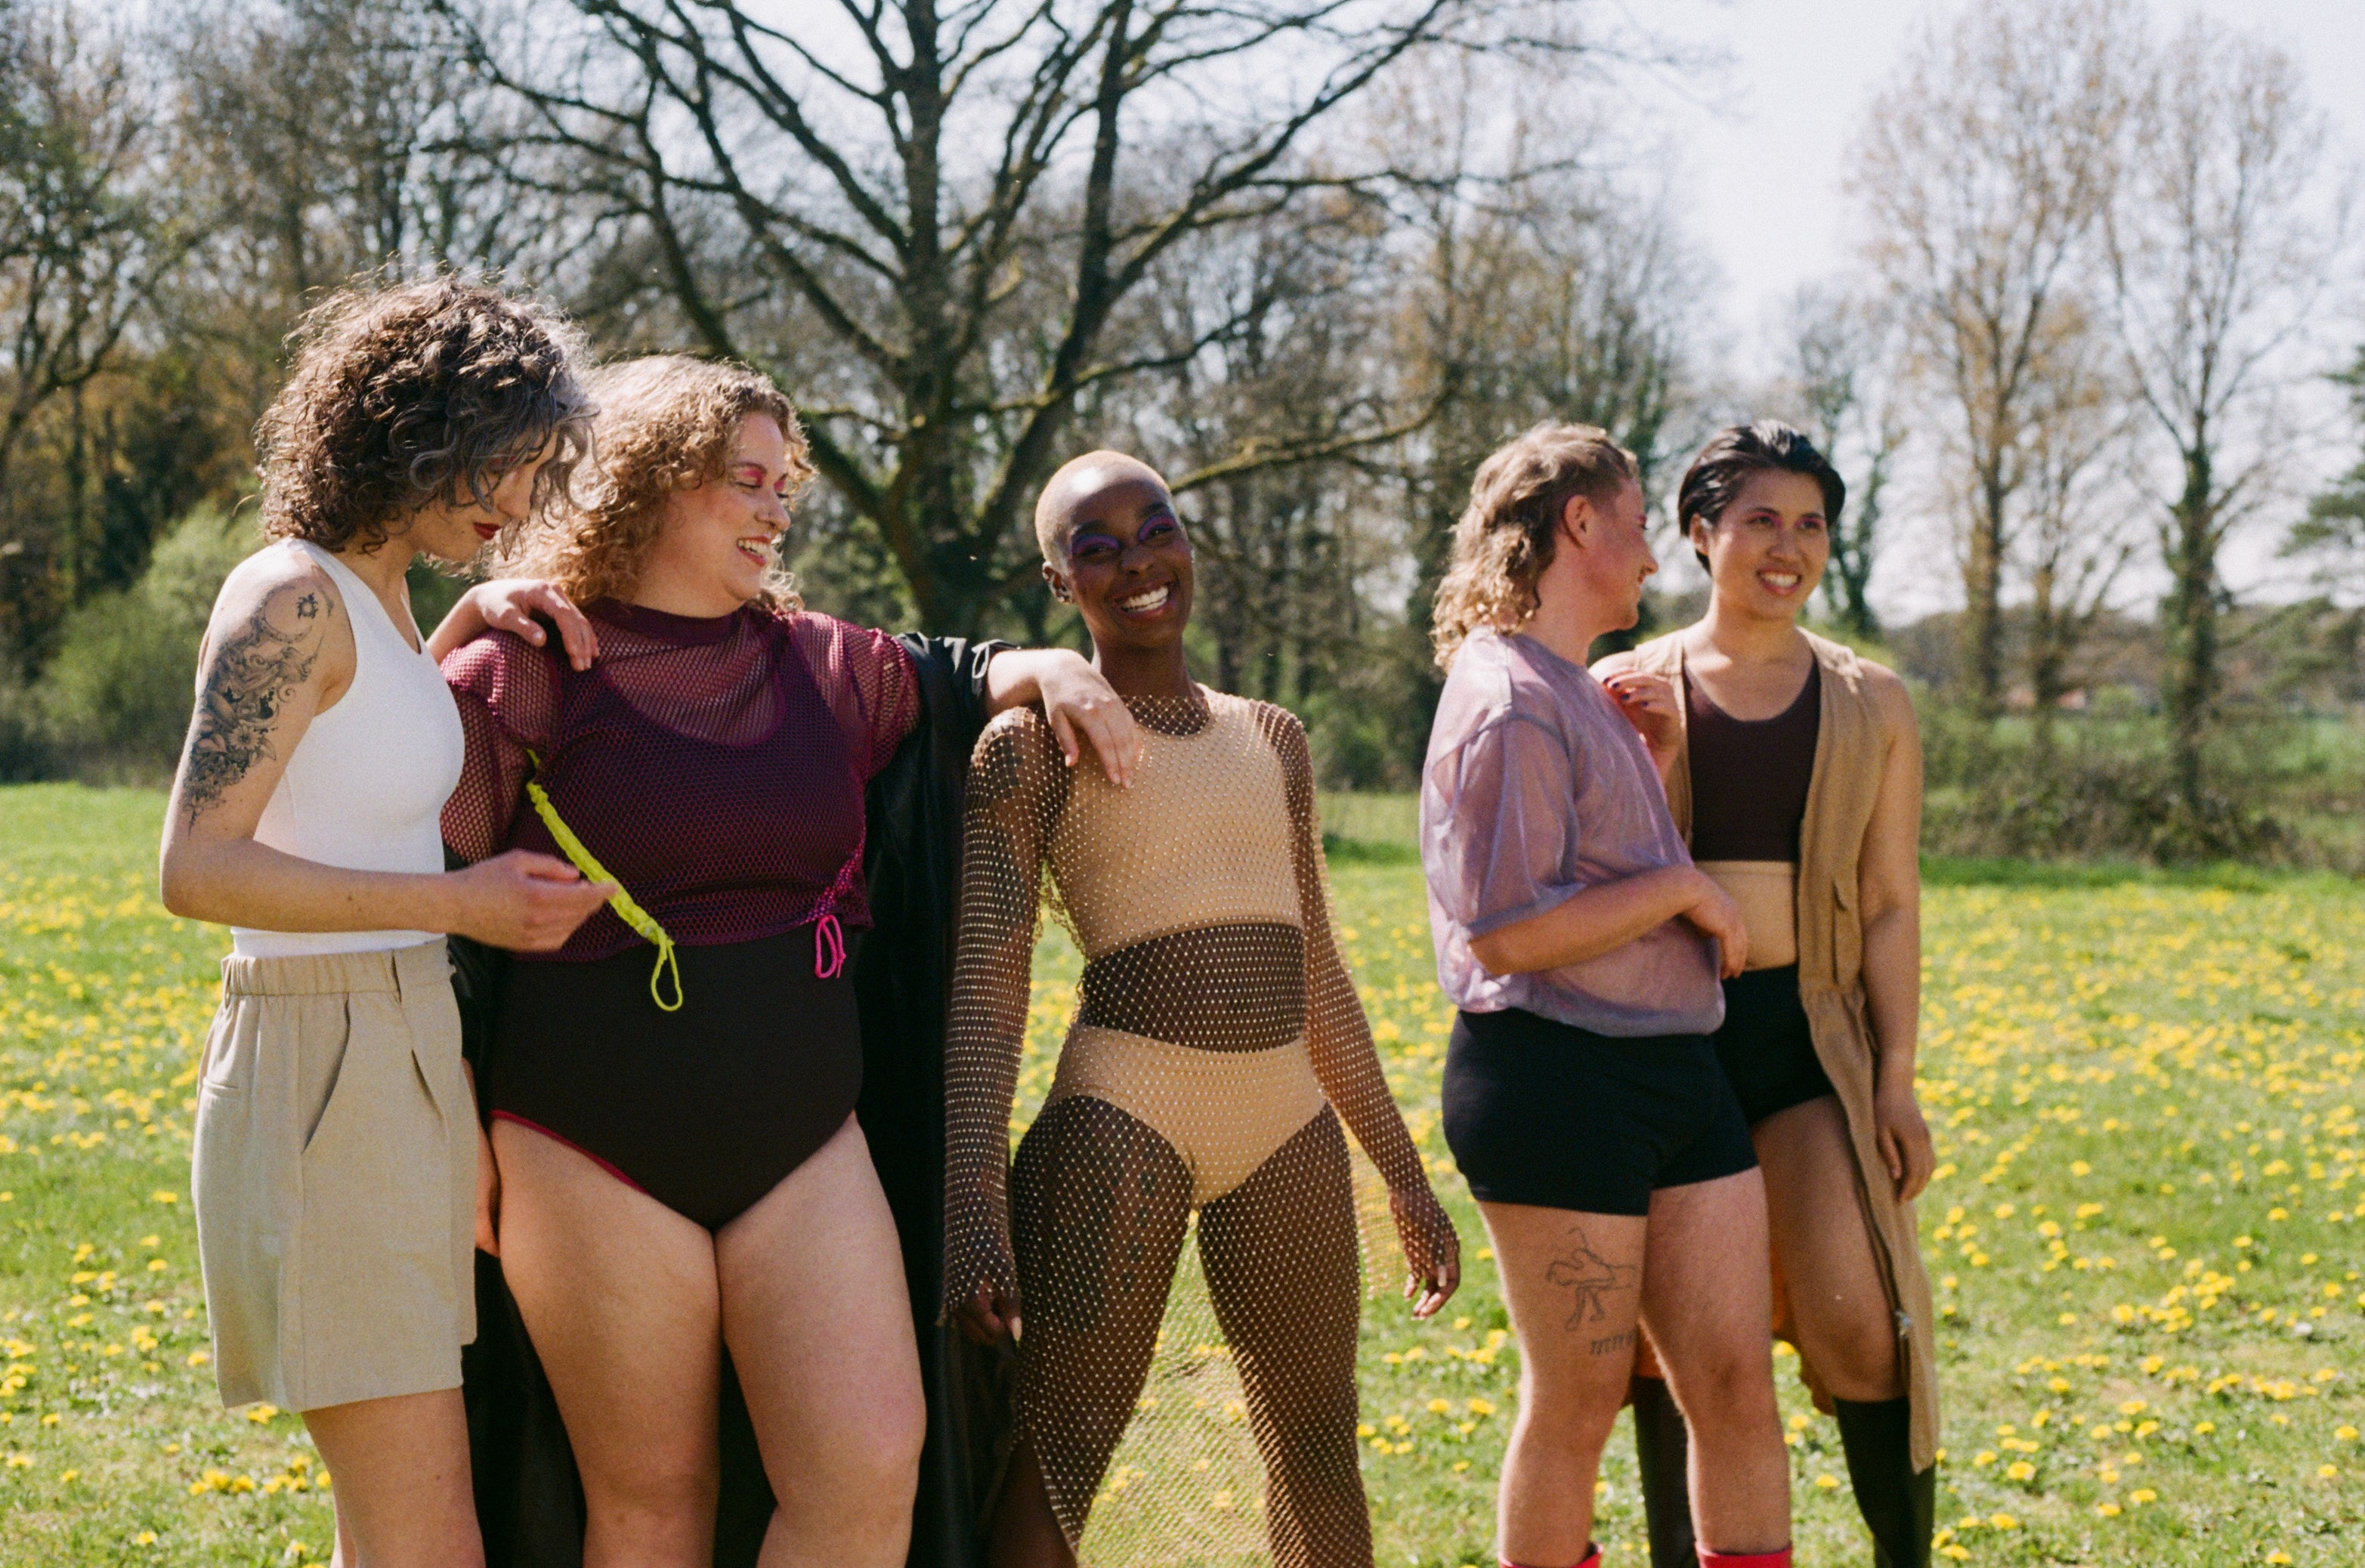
point(1215, 1029)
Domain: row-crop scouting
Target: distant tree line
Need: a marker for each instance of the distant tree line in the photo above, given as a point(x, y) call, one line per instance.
point(1314, 259)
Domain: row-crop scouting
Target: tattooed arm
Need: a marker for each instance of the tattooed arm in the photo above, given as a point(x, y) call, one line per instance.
point(277, 652)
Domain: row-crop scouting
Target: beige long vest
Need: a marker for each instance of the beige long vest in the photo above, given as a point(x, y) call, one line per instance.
point(1851, 746)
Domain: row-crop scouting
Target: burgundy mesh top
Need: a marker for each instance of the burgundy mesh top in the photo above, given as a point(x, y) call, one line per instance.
point(716, 768)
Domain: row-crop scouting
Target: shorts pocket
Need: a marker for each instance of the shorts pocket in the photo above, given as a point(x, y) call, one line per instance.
point(228, 1062)
point(328, 1073)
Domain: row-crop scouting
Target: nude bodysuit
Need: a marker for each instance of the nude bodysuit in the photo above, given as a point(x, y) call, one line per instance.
point(1212, 1013)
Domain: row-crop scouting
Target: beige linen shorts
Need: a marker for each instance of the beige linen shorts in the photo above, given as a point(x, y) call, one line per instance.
point(335, 1176)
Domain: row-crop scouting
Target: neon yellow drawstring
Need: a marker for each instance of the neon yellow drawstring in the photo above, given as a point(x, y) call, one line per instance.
point(619, 901)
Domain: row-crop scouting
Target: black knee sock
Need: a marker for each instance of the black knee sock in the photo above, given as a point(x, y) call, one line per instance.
point(1898, 1503)
point(1661, 1447)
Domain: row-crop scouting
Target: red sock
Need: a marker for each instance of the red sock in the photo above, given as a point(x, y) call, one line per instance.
point(1744, 1559)
point(1592, 1559)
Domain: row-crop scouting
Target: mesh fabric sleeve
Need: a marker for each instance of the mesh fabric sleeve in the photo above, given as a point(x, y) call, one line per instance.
point(506, 692)
point(1016, 785)
point(1504, 844)
point(1338, 1035)
point(868, 679)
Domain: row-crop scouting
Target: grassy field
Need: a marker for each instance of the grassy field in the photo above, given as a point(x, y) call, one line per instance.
point(2145, 1231)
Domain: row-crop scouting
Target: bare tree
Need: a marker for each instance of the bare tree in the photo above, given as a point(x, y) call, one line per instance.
point(952, 196)
point(85, 238)
point(328, 139)
point(1538, 286)
point(1986, 170)
point(2076, 540)
point(2221, 242)
point(1841, 347)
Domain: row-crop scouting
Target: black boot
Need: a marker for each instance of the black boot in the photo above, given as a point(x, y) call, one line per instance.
point(1898, 1503)
point(1662, 1448)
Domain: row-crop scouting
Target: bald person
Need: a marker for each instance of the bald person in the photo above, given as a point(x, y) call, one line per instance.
point(1216, 1045)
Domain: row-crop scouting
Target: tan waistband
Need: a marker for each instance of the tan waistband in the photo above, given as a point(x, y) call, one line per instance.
point(396, 969)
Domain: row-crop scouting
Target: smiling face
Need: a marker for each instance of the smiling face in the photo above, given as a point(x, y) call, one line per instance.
point(1766, 553)
point(716, 548)
point(458, 533)
point(1116, 550)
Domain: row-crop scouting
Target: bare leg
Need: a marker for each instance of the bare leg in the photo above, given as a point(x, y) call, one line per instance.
point(1284, 1278)
point(815, 1312)
point(1839, 1307)
point(1707, 1300)
point(619, 1294)
point(1573, 1283)
point(401, 1472)
point(1099, 1204)
point(1837, 1299)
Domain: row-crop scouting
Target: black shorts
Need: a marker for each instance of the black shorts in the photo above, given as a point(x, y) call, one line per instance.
point(1562, 1119)
point(1766, 1046)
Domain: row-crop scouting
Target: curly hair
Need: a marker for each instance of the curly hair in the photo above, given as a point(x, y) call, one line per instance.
point(1735, 453)
point(1509, 530)
point(408, 395)
point(666, 425)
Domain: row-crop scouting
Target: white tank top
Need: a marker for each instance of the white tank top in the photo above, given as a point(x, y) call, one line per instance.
point(364, 788)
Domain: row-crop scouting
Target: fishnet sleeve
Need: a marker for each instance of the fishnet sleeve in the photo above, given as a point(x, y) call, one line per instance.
point(1338, 1036)
point(868, 679)
point(506, 692)
point(1016, 786)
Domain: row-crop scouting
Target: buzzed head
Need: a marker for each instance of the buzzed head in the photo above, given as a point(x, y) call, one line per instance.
point(1073, 490)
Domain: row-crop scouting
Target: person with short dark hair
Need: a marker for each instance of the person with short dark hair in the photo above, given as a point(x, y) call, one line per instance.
point(335, 1164)
point(1795, 769)
point(1583, 1099)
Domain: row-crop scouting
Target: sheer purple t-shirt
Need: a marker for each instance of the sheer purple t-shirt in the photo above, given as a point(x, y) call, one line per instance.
point(714, 766)
point(1536, 788)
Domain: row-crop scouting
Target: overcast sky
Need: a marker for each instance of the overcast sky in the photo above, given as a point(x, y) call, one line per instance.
point(1767, 166)
point(1764, 161)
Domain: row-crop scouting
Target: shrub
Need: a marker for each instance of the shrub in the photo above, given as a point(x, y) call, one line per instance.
point(114, 701)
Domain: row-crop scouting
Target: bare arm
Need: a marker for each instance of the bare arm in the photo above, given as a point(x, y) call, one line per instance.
point(1339, 1039)
point(1606, 917)
point(1011, 797)
point(1888, 896)
point(1082, 708)
point(276, 654)
point(510, 604)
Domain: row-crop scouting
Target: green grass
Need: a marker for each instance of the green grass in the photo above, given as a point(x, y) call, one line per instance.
point(2144, 1088)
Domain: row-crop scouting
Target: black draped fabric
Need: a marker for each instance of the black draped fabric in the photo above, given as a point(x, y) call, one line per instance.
point(529, 1499)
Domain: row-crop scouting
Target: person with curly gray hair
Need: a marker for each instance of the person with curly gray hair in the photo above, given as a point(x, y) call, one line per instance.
point(336, 1154)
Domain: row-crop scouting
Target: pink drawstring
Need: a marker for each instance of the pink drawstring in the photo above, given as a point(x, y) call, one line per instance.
point(829, 947)
point(829, 938)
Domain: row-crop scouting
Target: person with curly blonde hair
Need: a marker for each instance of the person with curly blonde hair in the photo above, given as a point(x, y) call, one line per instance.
point(673, 1091)
point(336, 1157)
point(1583, 1099)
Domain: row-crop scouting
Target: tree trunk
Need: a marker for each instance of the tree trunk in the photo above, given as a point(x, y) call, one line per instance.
point(1983, 596)
point(2188, 625)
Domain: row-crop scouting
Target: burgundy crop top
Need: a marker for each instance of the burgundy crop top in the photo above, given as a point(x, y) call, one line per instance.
point(1750, 777)
point(716, 766)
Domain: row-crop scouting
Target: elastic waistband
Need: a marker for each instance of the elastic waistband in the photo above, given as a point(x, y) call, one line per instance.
point(1777, 980)
point(396, 969)
point(1520, 1026)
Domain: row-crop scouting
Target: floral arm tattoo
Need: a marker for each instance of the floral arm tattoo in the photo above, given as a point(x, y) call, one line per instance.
point(246, 688)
